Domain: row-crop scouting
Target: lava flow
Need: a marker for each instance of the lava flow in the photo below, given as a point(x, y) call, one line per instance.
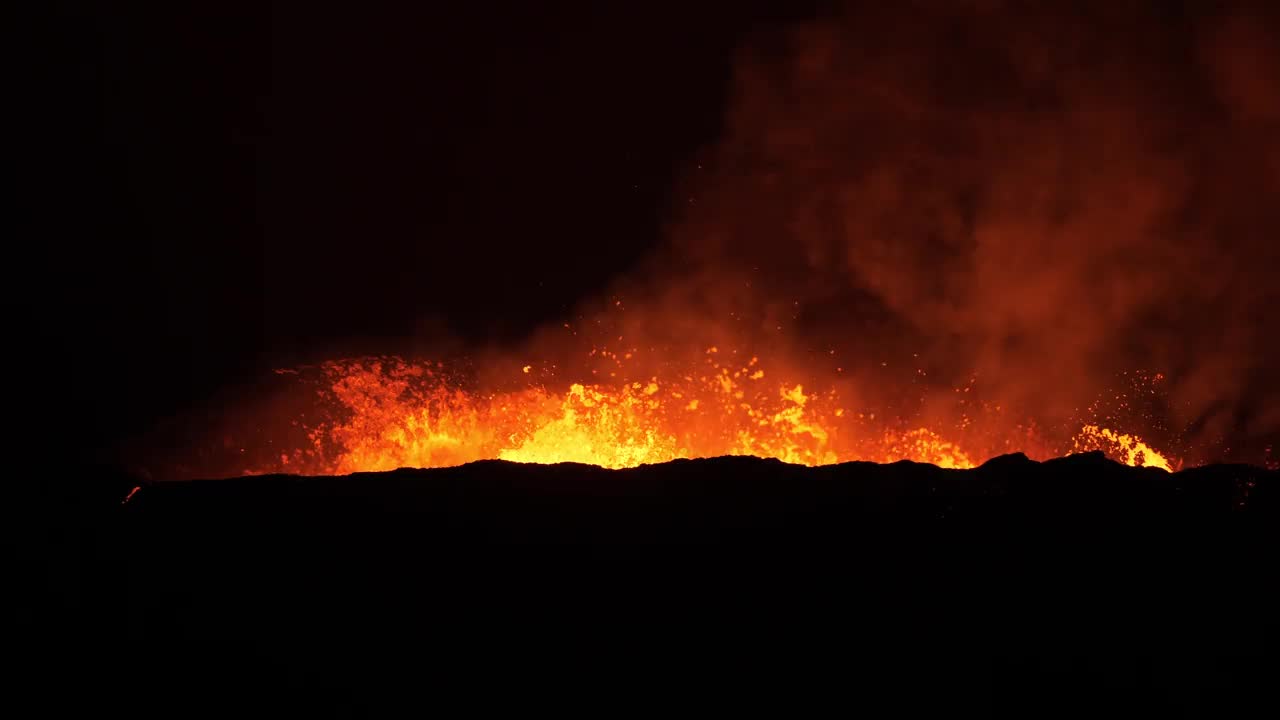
point(386, 413)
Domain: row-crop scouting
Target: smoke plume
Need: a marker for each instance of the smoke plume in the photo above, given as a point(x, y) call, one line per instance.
point(1044, 196)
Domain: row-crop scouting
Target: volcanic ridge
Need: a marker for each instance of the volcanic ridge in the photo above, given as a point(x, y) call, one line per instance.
point(1017, 586)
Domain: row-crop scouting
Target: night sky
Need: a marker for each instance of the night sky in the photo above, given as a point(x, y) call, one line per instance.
point(1049, 196)
point(225, 188)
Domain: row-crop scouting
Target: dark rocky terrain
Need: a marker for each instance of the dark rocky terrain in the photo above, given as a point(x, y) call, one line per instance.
point(1019, 589)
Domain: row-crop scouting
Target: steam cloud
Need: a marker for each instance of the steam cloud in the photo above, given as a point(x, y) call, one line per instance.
point(1047, 196)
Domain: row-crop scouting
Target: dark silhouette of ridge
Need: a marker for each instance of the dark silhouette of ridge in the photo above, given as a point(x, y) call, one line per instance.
point(1015, 589)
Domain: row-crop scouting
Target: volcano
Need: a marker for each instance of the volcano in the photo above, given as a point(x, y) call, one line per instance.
point(909, 357)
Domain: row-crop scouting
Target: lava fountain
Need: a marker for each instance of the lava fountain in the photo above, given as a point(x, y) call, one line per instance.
point(377, 414)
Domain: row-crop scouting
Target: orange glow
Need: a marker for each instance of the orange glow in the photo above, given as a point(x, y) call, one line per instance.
point(936, 236)
point(1128, 449)
point(389, 413)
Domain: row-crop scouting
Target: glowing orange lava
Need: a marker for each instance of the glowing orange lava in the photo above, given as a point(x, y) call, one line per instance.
point(391, 414)
point(1128, 449)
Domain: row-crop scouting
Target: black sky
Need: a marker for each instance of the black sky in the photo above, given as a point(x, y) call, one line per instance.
point(216, 190)
point(223, 188)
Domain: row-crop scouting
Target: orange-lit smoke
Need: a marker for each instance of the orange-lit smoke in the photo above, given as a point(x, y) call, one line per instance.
point(933, 231)
point(1044, 197)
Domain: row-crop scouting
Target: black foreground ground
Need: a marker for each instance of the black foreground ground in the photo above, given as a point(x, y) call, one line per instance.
point(1019, 589)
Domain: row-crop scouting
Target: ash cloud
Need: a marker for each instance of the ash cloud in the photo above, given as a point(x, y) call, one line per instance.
point(1047, 196)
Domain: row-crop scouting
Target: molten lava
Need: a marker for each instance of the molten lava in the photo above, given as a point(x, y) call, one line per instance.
point(388, 413)
point(1128, 449)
